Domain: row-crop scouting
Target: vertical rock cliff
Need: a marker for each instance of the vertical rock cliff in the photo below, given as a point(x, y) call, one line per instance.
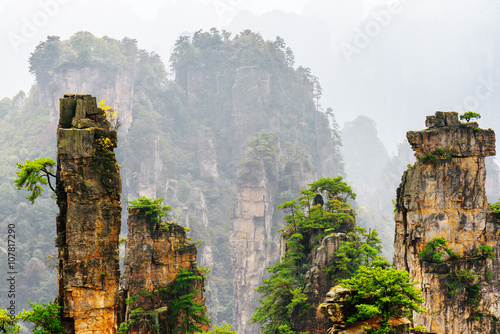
point(88, 224)
point(155, 252)
point(445, 236)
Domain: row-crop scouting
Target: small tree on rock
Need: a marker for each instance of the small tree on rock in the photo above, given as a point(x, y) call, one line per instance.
point(470, 115)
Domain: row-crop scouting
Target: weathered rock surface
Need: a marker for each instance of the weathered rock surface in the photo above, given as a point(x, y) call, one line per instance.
point(88, 225)
point(447, 199)
point(154, 254)
point(253, 248)
point(338, 308)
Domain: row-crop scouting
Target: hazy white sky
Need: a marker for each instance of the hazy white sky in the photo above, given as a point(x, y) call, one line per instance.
point(154, 23)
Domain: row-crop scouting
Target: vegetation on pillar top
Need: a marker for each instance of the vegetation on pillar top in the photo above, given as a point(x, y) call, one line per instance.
point(467, 116)
point(33, 174)
point(154, 207)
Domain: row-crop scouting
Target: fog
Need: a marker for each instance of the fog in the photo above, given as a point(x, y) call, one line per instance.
point(394, 62)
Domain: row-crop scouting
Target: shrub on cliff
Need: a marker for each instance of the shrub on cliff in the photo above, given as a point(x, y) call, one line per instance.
point(33, 174)
point(387, 293)
point(309, 219)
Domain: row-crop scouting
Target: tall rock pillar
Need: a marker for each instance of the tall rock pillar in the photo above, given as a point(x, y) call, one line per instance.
point(442, 197)
point(88, 224)
point(155, 251)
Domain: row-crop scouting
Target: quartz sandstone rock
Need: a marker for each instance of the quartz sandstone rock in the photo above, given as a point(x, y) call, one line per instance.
point(154, 254)
point(88, 225)
point(447, 200)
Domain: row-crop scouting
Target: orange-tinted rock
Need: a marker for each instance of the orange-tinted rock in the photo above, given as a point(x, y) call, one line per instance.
point(154, 254)
point(88, 225)
point(447, 199)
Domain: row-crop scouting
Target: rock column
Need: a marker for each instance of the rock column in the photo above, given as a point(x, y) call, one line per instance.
point(443, 196)
point(88, 225)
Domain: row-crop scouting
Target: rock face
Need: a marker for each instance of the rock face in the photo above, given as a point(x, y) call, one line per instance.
point(88, 225)
point(253, 245)
point(444, 197)
point(154, 254)
point(116, 87)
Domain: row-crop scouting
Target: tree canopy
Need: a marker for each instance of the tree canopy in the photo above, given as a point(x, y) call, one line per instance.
point(33, 174)
point(284, 294)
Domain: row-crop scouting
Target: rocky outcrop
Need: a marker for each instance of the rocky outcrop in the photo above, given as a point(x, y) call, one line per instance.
point(88, 224)
point(338, 308)
point(253, 243)
point(116, 87)
point(155, 252)
point(443, 196)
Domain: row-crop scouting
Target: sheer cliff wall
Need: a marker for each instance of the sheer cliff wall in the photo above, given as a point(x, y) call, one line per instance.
point(88, 225)
point(443, 196)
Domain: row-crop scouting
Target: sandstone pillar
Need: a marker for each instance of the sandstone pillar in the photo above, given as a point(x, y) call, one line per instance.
point(88, 224)
point(443, 196)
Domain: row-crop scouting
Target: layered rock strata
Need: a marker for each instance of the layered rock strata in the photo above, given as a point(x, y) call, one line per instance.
point(443, 196)
point(155, 252)
point(88, 224)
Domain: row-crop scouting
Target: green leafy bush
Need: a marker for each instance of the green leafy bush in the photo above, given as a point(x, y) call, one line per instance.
point(485, 251)
point(466, 283)
point(385, 292)
point(45, 317)
point(435, 249)
point(154, 207)
point(440, 154)
point(33, 174)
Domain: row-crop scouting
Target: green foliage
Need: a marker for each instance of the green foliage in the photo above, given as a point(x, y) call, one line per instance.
point(82, 50)
point(363, 250)
point(33, 174)
point(154, 207)
point(495, 207)
point(466, 283)
point(470, 115)
point(283, 295)
point(186, 315)
point(223, 329)
point(45, 317)
point(385, 292)
point(7, 324)
point(440, 154)
point(485, 251)
point(435, 249)
point(428, 159)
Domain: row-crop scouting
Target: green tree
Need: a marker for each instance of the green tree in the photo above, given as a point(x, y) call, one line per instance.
point(45, 317)
point(7, 324)
point(470, 115)
point(186, 315)
point(33, 174)
point(387, 293)
point(309, 217)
